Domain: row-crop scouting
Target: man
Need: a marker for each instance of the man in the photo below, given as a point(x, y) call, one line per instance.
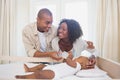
point(38, 36)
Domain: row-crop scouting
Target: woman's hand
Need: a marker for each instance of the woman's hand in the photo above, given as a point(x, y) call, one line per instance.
point(92, 62)
point(90, 45)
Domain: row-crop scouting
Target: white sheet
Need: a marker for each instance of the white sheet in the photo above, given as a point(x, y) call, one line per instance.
point(8, 71)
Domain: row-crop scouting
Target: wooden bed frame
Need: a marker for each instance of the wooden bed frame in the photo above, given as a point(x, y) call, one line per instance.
point(111, 67)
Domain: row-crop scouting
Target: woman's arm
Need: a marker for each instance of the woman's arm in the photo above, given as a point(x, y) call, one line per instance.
point(71, 62)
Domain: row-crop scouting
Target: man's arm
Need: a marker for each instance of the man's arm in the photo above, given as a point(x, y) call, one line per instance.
point(32, 51)
point(47, 54)
point(41, 54)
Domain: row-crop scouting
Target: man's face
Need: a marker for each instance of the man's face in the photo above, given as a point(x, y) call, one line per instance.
point(44, 23)
point(63, 31)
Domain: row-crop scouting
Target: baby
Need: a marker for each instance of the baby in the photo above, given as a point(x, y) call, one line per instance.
point(56, 71)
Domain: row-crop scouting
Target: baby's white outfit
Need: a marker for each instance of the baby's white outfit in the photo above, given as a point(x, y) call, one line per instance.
point(62, 70)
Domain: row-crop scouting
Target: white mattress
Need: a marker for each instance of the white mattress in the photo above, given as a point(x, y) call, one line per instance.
point(8, 72)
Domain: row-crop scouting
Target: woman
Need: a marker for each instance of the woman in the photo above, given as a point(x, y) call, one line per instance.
point(69, 38)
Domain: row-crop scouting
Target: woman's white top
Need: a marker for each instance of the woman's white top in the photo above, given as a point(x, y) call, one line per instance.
point(78, 47)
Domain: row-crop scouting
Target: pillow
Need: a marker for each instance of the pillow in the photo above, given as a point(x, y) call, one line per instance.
point(96, 72)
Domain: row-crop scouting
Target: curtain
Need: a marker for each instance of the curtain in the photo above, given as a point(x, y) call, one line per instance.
point(7, 27)
point(119, 27)
point(108, 31)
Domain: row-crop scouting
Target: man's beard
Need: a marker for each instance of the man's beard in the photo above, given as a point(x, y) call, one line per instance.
point(40, 30)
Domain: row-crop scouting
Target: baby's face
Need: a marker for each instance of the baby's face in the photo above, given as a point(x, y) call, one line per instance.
point(83, 61)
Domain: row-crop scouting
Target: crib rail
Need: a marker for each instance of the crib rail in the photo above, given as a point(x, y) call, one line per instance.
point(26, 59)
point(110, 66)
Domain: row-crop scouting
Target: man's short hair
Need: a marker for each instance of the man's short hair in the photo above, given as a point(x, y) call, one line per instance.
point(44, 11)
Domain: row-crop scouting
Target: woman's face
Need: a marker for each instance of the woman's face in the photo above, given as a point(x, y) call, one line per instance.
point(63, 31)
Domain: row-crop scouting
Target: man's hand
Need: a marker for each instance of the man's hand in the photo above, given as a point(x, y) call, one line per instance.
point(92, 62)
point(54, 55)
point(90, 45)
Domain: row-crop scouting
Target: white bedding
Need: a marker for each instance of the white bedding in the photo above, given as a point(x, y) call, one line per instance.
point(8, 71)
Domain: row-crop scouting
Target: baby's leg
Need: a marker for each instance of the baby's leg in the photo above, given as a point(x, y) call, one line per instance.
point(33, 69)
point(43, 74)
